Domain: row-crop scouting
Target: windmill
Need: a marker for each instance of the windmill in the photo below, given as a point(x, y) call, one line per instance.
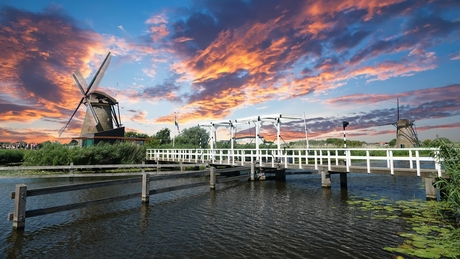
point(101, 115)
point(406, 132)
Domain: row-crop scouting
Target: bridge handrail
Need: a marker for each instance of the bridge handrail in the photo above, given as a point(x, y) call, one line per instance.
point(302, 157)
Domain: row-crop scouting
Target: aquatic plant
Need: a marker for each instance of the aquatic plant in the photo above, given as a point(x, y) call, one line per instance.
point(431, 234)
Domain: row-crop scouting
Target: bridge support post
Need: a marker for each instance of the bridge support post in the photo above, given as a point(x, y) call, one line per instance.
point(431, 193)
point(182, 168)
point(325, 177)
point(280, 175)
point(212, 177)
point(145, 187)
point(343, 181)
point(19, 215)
point(253, 171)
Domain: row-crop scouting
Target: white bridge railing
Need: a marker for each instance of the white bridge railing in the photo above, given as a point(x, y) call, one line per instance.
point(412, 158)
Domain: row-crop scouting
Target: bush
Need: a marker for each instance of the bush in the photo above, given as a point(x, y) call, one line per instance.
point(103, 153)
point(48, 154)
point(449, 157)
point(9, 156)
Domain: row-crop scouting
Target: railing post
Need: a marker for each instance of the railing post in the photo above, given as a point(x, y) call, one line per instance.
point(71, 172)
point(390, 158)
point(316, 162)
point(212, 177)
point(438, 163)
point(410, 159)
point(19, 215)
point(368, 162)
point(417, 157)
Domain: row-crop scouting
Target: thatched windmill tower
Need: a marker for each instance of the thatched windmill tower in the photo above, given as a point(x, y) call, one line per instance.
point(406, 133)
point(102, 122)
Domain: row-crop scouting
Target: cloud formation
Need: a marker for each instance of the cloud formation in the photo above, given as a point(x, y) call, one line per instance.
point(259, 46)
point(225, 56)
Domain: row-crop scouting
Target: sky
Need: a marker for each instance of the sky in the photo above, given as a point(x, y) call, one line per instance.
point(217, 60)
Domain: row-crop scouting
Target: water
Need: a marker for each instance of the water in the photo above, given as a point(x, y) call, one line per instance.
point(266, 219)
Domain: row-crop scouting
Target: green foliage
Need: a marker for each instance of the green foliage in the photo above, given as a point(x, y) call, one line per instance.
point(392, 143)
point(135, 134)
point(194, 137)
point(48, 154)
point(426, 143)
point(163, 137)
point(8, 156)
point(337, 142)
point(449, 157)
point(103, 153)
point(438, 142)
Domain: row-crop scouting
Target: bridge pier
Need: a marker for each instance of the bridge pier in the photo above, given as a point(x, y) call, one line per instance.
point(343, 181)
point(280, 175)
point(431, 193)
point(325, 178)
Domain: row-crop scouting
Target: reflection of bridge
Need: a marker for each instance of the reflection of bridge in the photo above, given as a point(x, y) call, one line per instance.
point(405, 162)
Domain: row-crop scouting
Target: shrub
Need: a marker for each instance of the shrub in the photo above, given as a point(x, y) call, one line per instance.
point(8, 156)
point(48, 154)
point(448, 156)
point(103, 153)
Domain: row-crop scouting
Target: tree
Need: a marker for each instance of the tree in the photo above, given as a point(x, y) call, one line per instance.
point(135, 134)
point(163, 136)
point(392, 143)
point(426, 143)
point(440, 142)
point(196, 137)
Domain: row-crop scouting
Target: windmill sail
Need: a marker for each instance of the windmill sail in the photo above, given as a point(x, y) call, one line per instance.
point(98, 104)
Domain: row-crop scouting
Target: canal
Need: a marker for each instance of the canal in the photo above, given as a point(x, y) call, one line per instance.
point(266, 219)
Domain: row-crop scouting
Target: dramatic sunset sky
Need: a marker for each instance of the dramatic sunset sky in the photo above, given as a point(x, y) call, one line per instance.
point(214, 60)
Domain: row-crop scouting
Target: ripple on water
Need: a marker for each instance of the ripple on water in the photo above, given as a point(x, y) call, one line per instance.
point(292, 219)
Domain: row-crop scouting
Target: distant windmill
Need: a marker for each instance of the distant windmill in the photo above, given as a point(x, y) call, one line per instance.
point(406, 133)
point(101, 114)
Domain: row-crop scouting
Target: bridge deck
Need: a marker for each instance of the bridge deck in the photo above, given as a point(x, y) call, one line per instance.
point(408, 162)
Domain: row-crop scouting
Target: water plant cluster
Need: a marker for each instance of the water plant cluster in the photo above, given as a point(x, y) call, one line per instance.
point(434, 227)
point(431, 232)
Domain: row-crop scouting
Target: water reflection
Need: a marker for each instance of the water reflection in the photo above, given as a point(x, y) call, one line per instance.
point(291, 219)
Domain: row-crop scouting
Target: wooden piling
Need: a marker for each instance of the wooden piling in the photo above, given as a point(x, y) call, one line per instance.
point(212, 177)
point(145, 188)
point(253, 171)
point(19, 215)
point(145, 185)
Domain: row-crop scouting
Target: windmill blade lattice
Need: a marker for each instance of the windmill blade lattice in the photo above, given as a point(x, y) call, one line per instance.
point(85, 89)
